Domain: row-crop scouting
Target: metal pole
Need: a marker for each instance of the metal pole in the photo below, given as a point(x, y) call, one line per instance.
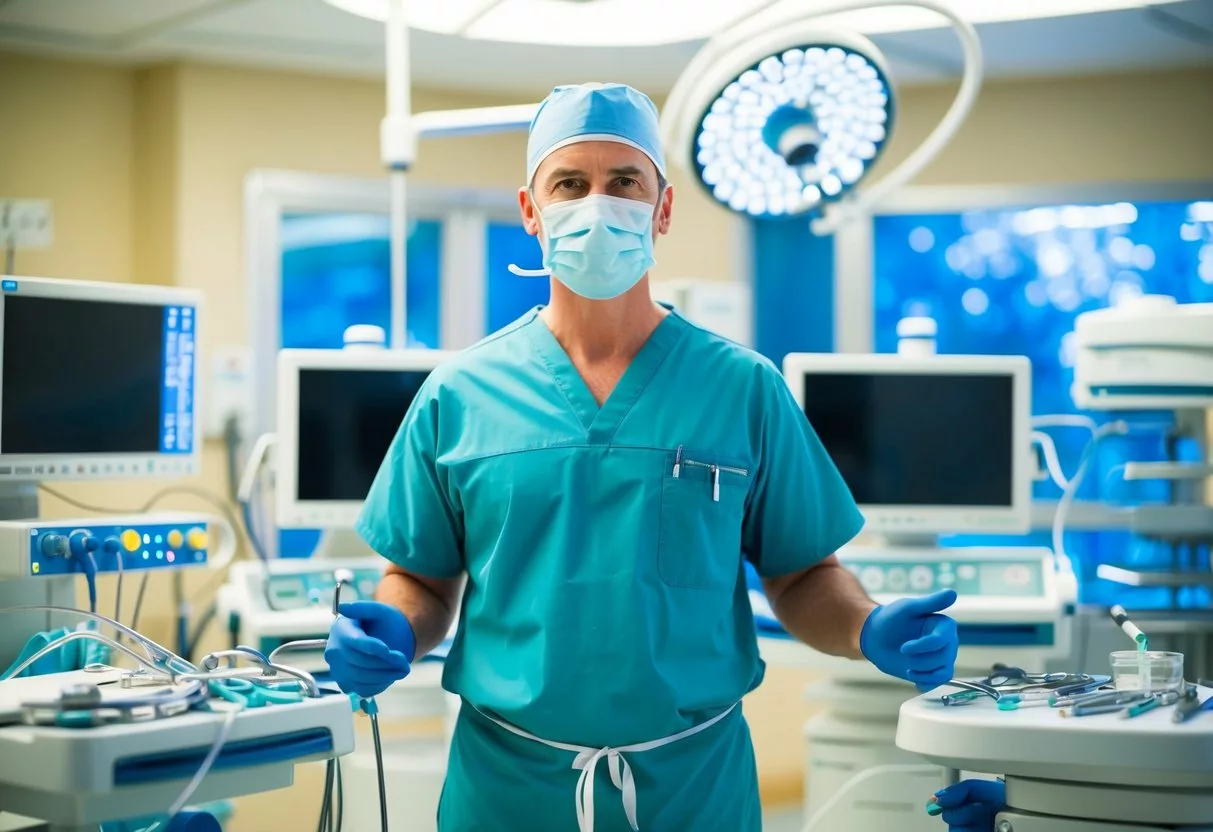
point(396, 144)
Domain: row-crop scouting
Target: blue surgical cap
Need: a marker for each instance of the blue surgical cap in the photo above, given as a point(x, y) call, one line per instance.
point(594, 112)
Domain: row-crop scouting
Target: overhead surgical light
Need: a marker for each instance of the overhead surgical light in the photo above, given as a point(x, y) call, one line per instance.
point(777, 117)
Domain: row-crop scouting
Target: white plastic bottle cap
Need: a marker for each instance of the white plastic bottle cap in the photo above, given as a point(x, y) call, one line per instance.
point(365, 336)
point(920, 327)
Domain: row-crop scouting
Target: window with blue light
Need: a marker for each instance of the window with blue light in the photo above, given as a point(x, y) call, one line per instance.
point(1012, 282)
point(336, 272)
point(507, 295)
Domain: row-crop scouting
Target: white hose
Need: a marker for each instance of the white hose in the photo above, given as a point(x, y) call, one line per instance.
point(229, 544)
point(859, 780)
point(256, 457)
point(1052, 461)
point(1071, 491)
point(1064, 420)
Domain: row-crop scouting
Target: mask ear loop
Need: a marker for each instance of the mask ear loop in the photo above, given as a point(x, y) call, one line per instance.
point(518, 270)
point(528, 272)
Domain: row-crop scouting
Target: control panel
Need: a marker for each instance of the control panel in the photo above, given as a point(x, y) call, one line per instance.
point(44, 548)
point(315, 589)
point(1001, 578)
point(1014, 604)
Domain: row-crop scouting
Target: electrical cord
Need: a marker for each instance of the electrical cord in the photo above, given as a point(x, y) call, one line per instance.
point(373, 710)
point(225, 729)
point(208, 617)
point(340, 797)
point(139, 600)
point(203, 494)
point(326, 802)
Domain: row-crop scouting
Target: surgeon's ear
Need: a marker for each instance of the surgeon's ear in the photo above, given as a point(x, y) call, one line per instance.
point(530, 213)
point(665, 209)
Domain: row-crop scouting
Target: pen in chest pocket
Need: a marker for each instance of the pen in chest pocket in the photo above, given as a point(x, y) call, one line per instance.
point(714, 471)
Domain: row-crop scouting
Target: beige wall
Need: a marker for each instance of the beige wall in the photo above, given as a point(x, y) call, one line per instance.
point(146, 171)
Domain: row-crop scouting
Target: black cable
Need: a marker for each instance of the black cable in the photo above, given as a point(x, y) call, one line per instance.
point(326, 804)
point(139, 601)
point(203, 494)
point(379, 766)
point(231, 443)
point(340, 797)
point(208, 617)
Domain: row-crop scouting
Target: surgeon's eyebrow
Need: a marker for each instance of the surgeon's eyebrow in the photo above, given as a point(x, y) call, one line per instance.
point(561, 174)
point(630, 171)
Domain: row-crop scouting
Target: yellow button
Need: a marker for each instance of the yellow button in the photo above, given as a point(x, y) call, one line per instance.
point(197, 539)
point(175, 539)
point(130, 540)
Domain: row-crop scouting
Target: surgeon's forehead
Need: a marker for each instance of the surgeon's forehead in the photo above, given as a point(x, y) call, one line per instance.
point(596, 158)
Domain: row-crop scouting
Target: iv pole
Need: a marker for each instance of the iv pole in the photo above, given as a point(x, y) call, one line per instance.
point(399, 133)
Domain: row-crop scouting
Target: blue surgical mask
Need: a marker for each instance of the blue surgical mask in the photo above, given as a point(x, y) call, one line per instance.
point(598, 246)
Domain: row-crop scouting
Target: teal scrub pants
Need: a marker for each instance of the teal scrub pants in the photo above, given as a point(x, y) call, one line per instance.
point(499, 782)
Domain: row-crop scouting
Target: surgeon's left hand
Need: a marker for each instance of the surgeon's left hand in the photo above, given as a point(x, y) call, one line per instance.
point(970, 805)
point(910, 640)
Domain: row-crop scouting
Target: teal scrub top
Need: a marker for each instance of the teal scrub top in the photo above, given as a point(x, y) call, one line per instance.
point(606, 598)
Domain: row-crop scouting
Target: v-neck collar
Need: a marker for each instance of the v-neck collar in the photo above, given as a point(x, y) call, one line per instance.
point(601, 423)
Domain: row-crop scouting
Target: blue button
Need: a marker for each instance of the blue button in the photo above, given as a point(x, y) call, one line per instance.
point(159, 555)
point(9, 285)
point(159, 538)
point(146, 554)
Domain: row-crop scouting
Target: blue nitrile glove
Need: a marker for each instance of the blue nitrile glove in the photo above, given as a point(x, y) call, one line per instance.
point(371, 646)
point(970, 805)
point(909, 639)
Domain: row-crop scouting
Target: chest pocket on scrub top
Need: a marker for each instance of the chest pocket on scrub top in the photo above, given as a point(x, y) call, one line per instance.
point(702, 509)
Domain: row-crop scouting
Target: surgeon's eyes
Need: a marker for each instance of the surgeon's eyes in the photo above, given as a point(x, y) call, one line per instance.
point(626, 182)
point(567, 185)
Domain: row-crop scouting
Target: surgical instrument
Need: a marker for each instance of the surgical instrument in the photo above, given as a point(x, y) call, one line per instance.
point(1190, 705)
point(249, 694)
point(1129, 628)
point(82, 706)
point(1002, 676)
point(974, 690)
point(88, 635)
point(1159, 700)
point(156, 653)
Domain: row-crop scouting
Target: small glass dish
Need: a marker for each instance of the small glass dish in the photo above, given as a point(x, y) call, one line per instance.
point(1153, 670)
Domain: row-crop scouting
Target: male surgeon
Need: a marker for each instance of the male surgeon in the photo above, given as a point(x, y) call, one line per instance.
point(589, 482)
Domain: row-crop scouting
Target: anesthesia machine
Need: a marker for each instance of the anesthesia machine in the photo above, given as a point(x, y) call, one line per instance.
point(99, 382)
point(1140, 760)
point(338, 411)
point(929, 446)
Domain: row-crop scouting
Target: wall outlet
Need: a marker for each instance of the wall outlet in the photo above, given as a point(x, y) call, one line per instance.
point(230, 392)
point(26, 223)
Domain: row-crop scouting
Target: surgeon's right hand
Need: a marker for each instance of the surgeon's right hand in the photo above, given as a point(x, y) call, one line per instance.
point(370, 647)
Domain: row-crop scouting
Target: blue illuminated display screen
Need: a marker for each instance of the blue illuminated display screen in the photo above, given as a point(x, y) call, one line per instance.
point(89, 377)
point(177, 390)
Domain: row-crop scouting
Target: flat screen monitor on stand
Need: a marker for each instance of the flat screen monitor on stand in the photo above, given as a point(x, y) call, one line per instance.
point(930, 447)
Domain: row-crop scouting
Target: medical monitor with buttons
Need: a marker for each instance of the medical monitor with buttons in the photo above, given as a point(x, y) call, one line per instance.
point(928, 446)
point(97, 381)
point(338, 411)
